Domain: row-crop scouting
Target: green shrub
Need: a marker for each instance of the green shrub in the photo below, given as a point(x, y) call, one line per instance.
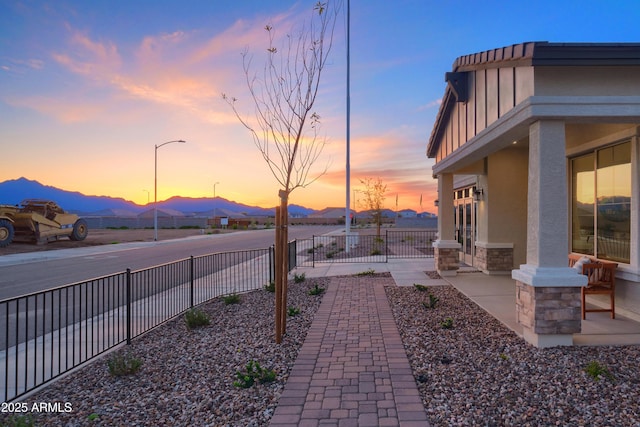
point(447, 323)
point(231, 299)
point(330, 254)
point(376, 251)
point(299, 278)
point(596, 371)
point(310, 250)
point(123, 364)
point(196, 318)
point(293, 311)
point(254, 373)
point(433, 300)
point(316, 290)
point(270, 287)
point(421, 288)
point(19, 420)
point(369, 272)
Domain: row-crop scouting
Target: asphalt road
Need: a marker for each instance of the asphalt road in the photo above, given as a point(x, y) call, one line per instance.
point(27, 273)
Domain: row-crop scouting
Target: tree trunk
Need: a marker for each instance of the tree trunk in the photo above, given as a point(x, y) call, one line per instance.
point(282, 265)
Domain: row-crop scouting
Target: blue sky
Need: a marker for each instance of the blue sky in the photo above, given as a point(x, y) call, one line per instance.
point(88, 88)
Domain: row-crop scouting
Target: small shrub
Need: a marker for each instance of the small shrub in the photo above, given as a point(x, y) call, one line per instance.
point(447, 323)
point(310, 250)
point(254, 372)
point(376, 251)
point(19, 420)
point(421, 288)
point(93, 416)
point(504, 356)
point(330, 254)
point(369, 272)
point(293, 311)
point(270, 287)
point(299, 278)
point(231, 299)
point(378, 240)
point(316, 290)
point(120, 365)
point(596, 371)
point(196, 318)
point(433, 300)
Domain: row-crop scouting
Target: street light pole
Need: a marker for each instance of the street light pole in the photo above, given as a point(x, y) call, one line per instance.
point(155, 187)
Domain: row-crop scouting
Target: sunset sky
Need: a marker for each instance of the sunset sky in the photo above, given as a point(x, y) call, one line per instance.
point(87, 88)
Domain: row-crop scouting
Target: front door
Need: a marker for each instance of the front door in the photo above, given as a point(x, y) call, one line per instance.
point(466, 224)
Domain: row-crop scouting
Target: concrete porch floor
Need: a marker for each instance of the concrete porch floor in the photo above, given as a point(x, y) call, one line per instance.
point(496, 294)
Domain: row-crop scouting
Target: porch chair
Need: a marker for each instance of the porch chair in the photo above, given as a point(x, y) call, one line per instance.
point(601, 276)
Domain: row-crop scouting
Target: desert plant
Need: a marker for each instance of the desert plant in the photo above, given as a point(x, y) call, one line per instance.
point(299, 278)
point(330, 254)
point(447, 323)
point(293, 311)
point(421, 288)
point(316, 290)
point(504, 356)
point(310, 250)
point(270, 287)
point(254, 372)
point(93, 416)
point(123, 364)
point(433, 300)
point(196, 318)
point(231, 299)
point(596, 371)
point(368, 272)
point(375, 251)
point(19, 420)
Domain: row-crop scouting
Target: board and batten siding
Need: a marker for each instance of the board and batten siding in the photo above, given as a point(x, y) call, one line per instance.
point(492, 93)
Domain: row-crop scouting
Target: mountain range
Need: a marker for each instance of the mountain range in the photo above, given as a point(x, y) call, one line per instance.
point(12, 192)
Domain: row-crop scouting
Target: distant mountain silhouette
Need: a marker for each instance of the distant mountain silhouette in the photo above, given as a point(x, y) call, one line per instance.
point(14, 191)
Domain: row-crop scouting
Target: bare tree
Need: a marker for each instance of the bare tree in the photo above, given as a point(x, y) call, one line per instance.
point(374, 195)
point(285, 128)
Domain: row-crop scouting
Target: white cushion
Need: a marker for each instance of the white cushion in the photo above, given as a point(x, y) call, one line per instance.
point(578, 265)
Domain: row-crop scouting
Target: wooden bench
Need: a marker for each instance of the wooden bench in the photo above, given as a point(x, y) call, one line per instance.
point(601, 277)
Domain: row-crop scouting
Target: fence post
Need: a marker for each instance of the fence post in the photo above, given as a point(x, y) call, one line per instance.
point(386, 246)
point(128, 292)
point(191, 281)
point(272, 264)
point(313, 251)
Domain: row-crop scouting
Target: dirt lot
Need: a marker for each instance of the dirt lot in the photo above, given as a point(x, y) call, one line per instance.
point(100, 237)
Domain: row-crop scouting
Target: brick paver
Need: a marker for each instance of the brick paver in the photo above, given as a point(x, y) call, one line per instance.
point(352, 369)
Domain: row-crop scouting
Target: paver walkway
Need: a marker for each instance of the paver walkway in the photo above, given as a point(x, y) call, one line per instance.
point(352, 369)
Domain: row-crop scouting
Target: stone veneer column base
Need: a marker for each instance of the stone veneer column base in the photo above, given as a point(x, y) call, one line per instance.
point(446, 257)
point(494, 258)
point(548, 304)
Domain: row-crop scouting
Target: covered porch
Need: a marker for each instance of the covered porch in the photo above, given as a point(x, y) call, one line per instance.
point(497, 296)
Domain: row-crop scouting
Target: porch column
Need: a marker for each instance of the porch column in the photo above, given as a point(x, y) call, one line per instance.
point(446, 248)
point(548, 292)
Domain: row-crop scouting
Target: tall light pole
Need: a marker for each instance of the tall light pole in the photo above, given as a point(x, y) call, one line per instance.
point(155, 188)
point(214, 202)
point(148, 196)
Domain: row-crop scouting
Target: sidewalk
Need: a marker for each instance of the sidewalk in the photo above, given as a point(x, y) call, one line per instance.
point(352, 369)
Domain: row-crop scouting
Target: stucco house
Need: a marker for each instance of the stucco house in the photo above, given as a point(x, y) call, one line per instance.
point(537, 156)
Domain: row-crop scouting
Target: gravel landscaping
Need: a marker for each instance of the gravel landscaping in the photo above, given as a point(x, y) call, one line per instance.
point(480, 373)
point(470, 370)
point(186, 376)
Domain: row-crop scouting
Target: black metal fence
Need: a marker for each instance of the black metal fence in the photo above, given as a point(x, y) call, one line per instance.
point(370, 248)
point(45, 334)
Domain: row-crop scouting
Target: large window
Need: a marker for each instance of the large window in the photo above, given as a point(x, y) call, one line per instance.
point(601, 203)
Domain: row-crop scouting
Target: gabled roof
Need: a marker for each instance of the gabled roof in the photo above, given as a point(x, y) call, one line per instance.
point(528, 54)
